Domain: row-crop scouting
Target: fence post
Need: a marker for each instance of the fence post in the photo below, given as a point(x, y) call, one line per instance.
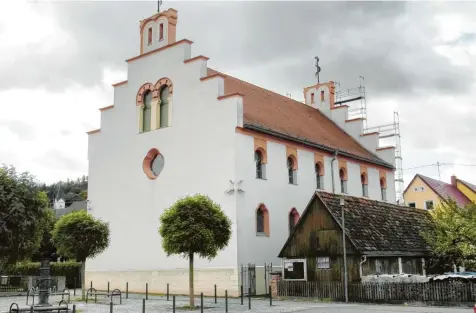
point(143, 305)
point(111, 307)
point(91, 284)
point(127, 290)
point(31, 309)
point(173, 303)
point(107, 287)
point(241, 294)
point(215, 293)
point(74, 286)
point(201, 302)
point(74, 308)
point(147, 291)
point(226, 301)
point(167, 291)
point(265, 281)
point(249, 298)
point(270, 296)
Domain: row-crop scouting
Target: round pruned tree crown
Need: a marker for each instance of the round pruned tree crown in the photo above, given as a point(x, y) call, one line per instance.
point(80, 236)
point(194, 224)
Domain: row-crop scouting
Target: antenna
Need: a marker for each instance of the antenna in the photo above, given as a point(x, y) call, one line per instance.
point(318, 68)
point(159, 2)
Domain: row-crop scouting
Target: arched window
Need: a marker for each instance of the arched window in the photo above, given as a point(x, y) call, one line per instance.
point(259, 164)
point(319, 177)
point(383, 189)
point(343, 180)
point(147, 111)
point(363, 180)
point(262, 221)
point(293, 219)
point(291, 171)
point(164, 107)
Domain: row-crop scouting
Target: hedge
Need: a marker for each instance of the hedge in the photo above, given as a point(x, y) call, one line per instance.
point(70, 269)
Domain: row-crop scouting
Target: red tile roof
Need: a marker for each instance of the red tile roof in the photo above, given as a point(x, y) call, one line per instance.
point(445, 190)
point(281, 114)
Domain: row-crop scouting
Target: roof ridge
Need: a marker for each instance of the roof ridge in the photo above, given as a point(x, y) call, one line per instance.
point(374, 154)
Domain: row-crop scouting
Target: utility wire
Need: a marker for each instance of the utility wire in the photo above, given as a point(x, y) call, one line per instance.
point(438, 164)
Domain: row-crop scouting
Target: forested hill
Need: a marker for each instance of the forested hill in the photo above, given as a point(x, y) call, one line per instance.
point(69, 190)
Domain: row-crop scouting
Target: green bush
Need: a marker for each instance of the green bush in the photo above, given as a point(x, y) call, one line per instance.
point(70, 269)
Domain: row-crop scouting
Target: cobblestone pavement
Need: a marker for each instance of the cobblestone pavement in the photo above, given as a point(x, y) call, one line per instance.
point(159, 304)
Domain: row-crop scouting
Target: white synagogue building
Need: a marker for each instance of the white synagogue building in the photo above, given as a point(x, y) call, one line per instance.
point(178, 127)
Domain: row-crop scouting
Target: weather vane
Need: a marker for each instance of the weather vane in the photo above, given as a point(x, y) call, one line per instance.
point(318, 68)
point(159, 2)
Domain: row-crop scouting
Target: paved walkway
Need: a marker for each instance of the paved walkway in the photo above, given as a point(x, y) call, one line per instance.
point(159, 304)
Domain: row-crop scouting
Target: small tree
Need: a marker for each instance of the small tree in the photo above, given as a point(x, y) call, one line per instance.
point(23, 210)
point(453, 236)
point(80, 236)
point(194, 225)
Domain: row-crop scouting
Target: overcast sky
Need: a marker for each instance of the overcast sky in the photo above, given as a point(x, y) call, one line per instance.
point(60, 58)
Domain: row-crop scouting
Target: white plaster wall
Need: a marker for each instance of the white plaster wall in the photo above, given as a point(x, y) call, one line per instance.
point(370, 142)
point(354, 128)
point(155, 34)
point(198, 159)
point(339, 115)
point(323, 106)
point(280, 197)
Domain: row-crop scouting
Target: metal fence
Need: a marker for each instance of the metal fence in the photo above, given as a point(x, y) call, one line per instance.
point(257, 278)
point(444, 292)
point(13, 283)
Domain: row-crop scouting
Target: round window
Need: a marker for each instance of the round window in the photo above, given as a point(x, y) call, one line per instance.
point(153, 163)
point(157, 164)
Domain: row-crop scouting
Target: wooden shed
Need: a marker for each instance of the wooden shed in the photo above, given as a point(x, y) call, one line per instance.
point(381, 239)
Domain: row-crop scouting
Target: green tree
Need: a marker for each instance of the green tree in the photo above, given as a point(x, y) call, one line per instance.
point(452, 238)
point(194, 225)
point(22, 215)
point(46, 245)
point(80, 236)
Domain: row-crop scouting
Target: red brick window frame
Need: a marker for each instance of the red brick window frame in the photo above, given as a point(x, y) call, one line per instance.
point(293, 218)
point(262, 220)
point(149, 36)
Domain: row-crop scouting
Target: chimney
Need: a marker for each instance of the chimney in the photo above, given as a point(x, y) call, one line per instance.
point(453, 180)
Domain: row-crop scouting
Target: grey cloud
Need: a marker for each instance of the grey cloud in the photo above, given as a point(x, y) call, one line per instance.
point(351, 38)
point(23, 130)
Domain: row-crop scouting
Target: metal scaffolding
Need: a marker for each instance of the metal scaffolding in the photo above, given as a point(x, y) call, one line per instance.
point(393, 131)
point(352, 95)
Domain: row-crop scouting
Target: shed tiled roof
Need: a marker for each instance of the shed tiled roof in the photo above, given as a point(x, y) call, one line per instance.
point(445, 190)
point(380, 228)
point(272, 111)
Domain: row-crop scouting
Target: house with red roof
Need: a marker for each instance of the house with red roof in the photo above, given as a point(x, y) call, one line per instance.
point(426, 193)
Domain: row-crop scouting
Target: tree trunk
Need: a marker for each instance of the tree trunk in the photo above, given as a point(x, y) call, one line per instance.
point(83, 280)
point(190, 280)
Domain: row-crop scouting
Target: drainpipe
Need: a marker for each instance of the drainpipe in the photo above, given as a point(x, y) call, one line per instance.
point(364, 259)
point(332, 170)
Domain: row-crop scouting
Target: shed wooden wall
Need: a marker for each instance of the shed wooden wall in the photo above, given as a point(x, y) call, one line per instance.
point(320, 235)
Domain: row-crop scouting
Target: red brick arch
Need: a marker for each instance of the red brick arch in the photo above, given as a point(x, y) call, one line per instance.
point(142, 90)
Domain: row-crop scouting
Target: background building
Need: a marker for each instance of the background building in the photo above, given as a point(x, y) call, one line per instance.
point(426, 193)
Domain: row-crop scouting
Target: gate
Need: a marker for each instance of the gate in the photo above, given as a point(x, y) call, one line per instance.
point(248, 279)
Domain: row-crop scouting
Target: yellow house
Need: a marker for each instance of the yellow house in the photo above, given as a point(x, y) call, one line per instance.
point(425, 193)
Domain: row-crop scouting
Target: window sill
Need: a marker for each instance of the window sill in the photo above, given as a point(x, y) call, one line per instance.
point(294, 184)
point(261, 178)
point(260, 234)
